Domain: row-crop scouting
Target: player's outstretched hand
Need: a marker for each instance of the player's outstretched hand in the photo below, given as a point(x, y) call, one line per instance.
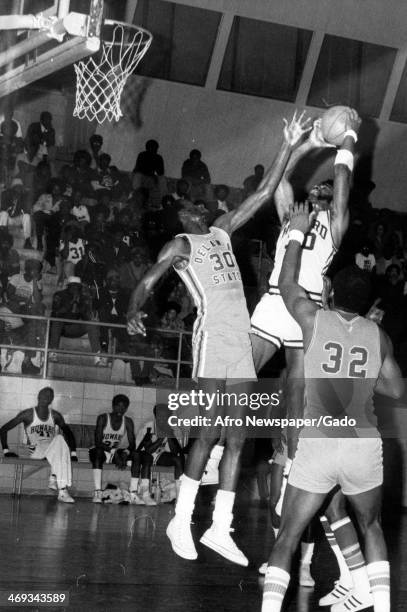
point(135, 324)
point(295, 130)
point(353, 120)
point(300, 219)
point(316, 138)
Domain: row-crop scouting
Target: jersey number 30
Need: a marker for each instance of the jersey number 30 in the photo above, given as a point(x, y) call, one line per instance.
point(357, 360)
point(218, 264)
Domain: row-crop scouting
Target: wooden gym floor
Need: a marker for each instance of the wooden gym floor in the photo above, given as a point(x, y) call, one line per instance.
point(117, 558)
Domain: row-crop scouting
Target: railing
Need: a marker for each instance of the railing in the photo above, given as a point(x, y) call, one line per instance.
point(45, 348)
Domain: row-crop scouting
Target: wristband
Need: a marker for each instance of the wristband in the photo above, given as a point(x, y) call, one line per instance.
point(345, 158)
point(351, 133)
point(296, 235)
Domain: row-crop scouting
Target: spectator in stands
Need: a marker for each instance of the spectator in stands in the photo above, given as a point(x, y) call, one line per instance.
point(220, 205)
point(79, 209)
point(41, 179)
point(251, 183)
point(158, 440)
point(71, 249)
point(41, 137)
point(180, 296)
point(92, 267)
point(182, 190)
point(131, 272)
point(112, 431)
point(111, 307)
point(33, 171)
point(80, 175)
point(24, 296)
point(8, 118)
point(149, 162)
point(121, 185)
point(96, 144)
point(74, 303)
point(365, 259)
point(46, 219)
point(102, 176)
point(8, 152)
point(117, 252)
point(196, 172)
point(13, 210)
point(9, 262)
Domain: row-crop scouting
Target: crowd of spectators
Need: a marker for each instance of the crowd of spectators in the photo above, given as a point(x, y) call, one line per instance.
point(97, 230)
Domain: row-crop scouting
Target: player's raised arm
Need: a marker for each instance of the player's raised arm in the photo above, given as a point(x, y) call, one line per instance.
point(295, 297)
point(169, 254)
point(293, 133)
point(390, 381)
point(284, 195)
point(342, 178)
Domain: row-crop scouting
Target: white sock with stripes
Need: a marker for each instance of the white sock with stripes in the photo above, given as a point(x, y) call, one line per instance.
point(275, 586)
point(344, 578)
point(379, 578)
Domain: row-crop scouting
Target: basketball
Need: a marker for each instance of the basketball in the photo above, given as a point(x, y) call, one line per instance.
point(333, 124)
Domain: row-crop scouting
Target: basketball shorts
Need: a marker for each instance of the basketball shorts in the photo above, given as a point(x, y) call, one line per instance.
point(223, 357)
point(272, 321)
point(355, 464)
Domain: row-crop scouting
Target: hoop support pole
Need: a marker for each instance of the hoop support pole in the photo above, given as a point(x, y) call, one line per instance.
point(28, 45)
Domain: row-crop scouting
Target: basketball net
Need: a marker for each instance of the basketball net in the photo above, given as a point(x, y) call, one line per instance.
point(100, 79)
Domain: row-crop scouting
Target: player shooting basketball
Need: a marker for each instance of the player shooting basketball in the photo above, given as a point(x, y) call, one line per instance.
point(222, 354)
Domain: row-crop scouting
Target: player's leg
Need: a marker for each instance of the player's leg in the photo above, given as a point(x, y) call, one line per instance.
point(147, 461)
point(336, 517)
point(97, 457)
point(136, 461)
point(217, 537)
point(211, 472)
point(307, 551)
point(59, 457)
point(266, 329)
point(294, 393)
point(299, 508)
point(177, 462)
point(179, 530)
point(367, 507)
point(276, 478)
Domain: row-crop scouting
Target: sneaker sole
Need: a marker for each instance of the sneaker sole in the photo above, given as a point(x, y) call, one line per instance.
point(66, 501)
point(224, 552)
point(179, 551)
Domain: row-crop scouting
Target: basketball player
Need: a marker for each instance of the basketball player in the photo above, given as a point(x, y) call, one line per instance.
point(272, 325)
point(112, 431)
point(41, 426)
point(347, 359)
point(204, 260)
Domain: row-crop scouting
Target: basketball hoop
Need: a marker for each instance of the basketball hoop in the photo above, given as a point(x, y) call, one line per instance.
point(100, 79)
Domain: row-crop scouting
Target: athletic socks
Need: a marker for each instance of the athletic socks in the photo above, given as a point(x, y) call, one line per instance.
point(186, 497)
point(217, 453)
point(344, 577)
point(379, 579)
point(97, 479)
point(133, 484)
point(307, 550)
point(275, 586)
point(222, 513)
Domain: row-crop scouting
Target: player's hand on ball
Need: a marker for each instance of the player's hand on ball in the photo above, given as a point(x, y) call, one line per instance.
point(300, 219)
point(316, 137)
point(353, 121)
point(135, 324)
point(295, 130)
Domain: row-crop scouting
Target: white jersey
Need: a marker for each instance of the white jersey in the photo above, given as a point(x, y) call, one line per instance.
point(213, 279)
point(318, 250)
point(41, 432)
point(76, 250)
point(113, 437)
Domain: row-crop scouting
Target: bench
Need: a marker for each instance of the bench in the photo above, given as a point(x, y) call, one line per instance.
point(35, 465)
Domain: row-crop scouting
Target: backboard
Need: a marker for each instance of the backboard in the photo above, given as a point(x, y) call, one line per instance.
point(36, 45)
